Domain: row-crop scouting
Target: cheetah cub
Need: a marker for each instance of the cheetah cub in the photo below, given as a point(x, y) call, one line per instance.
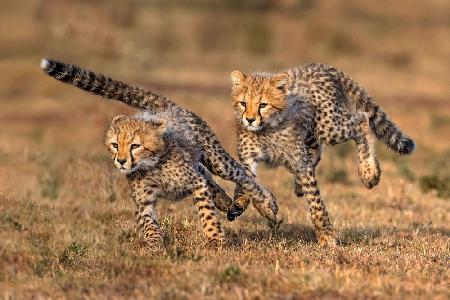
point(214, 157)
point(160, 163)
point(285, 118)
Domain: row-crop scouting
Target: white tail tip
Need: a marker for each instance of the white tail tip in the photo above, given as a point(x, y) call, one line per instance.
point(44, 63)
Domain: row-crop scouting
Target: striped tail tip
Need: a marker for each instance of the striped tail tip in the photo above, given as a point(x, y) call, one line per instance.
point(407, 147)
point(53, 67)
point(58, 70)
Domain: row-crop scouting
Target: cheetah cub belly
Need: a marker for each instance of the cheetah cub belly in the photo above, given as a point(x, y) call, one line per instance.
point(160, 163)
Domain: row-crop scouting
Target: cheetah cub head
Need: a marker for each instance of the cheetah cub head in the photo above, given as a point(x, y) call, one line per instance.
point(259, 99)
point(135, 143)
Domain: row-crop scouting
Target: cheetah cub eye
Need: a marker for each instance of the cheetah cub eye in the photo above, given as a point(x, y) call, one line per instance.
point(134, 146)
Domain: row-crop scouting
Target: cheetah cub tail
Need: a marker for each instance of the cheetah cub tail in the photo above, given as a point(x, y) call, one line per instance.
point(382, 126)
point(102, 85)
point(390, 134)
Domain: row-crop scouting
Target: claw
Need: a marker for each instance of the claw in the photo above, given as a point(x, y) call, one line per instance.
point(234, 213)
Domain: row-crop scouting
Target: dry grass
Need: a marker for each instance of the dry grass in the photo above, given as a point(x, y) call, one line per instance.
point(66, 228)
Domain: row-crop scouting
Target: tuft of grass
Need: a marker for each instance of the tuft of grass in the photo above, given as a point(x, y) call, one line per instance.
point(405, 170)
point(336, 175)
point(437, 182)
point(439, 177)
point(232, 273)
point(43, 266)
point(126, 236)
point(50, 183)
point(359, 236)
point(6, 218)
point(439, 121)
point(112, 197)
point(72, 254)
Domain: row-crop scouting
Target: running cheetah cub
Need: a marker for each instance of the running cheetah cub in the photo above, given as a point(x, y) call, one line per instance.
point(285, 118)
point(161, 163)
point(213, 157)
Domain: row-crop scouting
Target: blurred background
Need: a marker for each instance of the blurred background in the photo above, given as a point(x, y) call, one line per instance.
point(53, 165)
point(399, 51)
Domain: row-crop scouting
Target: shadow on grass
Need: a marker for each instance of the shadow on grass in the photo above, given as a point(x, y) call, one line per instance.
point(358, 235)
point(443, 231)
point(298, 233)
point(292, 234)
point(289, 234)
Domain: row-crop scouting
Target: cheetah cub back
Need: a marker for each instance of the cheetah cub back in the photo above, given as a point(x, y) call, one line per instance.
point(160, 163)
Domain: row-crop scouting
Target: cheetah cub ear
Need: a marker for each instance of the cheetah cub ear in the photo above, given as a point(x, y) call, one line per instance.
point(237, 78)
point(157, 124)
point(280, 81)
point(118, 118)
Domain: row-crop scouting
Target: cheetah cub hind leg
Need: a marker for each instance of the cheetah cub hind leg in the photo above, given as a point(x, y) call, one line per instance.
point(267, 208)
point(221, 199)
point(208, 214)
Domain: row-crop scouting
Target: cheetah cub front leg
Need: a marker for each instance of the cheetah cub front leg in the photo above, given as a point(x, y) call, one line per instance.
point(146, 216)
point(315, 154)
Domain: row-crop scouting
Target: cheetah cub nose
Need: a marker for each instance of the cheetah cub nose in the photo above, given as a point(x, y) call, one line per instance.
point(121, 161)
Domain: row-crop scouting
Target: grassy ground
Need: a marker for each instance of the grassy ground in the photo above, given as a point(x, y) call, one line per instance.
point(66, 226)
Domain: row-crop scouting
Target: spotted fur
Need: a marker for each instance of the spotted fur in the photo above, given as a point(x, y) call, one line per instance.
point(159, 163)
point(285, 118)
point(213, 156)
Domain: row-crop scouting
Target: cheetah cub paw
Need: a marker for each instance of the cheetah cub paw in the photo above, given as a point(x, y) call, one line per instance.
point(275, 224)
point(370, 173)
point(327, 239)
point(234, 212)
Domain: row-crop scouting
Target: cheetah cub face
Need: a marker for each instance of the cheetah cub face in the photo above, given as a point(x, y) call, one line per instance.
point(259, 99)
point(134, 143)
